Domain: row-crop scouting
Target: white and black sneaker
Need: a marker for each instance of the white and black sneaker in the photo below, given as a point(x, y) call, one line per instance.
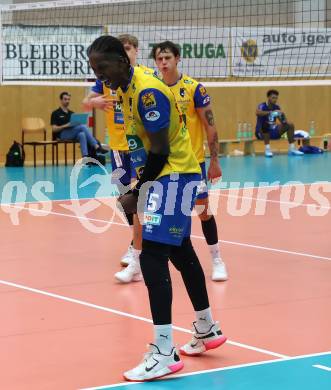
point(155, 365)
point(202, 342)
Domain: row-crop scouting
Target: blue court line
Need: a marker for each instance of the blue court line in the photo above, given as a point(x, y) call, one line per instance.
point(297, 373)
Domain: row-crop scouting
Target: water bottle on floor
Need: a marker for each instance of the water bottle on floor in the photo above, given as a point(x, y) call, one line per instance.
point(239, 131)
point(244, 132)
point(312, 128)
point(250, 131)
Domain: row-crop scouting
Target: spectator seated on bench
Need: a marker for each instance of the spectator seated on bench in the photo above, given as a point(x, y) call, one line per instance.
point(64, 130)
point(267, 127)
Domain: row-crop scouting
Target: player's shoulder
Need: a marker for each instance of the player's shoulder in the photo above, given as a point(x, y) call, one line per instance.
point(263, 106)
point(148, 81)
point(146, 69)
point(188, 81)
point(194, 86)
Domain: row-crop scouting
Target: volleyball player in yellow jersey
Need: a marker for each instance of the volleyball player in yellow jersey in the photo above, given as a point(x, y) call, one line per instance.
point(168, 176)
point(102, 97)
point(194, 103)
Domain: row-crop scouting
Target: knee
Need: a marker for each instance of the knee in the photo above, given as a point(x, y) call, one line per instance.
point(83, 128)
point(81, 136)
point(289, 126)
point(184, 257)
point(205, 215)
point(202, 207)
point(154, 263)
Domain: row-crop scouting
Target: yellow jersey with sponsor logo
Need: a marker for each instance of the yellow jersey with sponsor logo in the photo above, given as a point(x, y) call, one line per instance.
point(148, 105)
point(190, 95)
point(114, 117)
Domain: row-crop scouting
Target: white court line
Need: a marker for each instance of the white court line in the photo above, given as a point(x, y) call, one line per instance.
point(303, 254)
point(218, 369)
point(322, 367)
point(124, 314)
point(266, 248)
point(276, 201)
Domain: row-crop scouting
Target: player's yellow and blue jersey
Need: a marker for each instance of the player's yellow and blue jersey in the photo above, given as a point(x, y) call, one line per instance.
point(148, 105)
point(145, 68)
point(114, 117)
point(191, 95)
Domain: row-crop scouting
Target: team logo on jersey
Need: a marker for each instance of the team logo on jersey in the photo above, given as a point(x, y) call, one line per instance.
point(148, 100)
point(182, 92)
point(134, 142)
point(117, 107)
point(152, 116)
point(176, 231)
point(206, 100)
point(249, 50)
point(203, 91)
point(188, 81)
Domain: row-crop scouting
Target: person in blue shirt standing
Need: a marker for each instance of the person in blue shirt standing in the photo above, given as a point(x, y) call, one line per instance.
point(268, 128)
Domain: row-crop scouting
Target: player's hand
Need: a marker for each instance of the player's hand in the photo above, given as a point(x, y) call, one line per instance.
point(128, 202)
point(102, 102)
point(278, 112)
point(214, 171)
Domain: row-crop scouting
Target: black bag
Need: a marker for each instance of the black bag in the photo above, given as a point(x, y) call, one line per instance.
point(15, 155)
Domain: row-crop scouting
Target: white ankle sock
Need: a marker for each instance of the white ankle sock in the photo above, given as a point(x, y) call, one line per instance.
point(291, 146)
point(267, 147)
point(136, 258)
point(163, 338)
point(215, 251)
point(204, 320)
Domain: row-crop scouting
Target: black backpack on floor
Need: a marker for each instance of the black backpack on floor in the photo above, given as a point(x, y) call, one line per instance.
point(15, 156)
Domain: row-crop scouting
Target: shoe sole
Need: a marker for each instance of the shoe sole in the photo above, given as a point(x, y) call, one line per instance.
point(220, 279)
point(173, 369)
point(211, 345)
point(134, 279)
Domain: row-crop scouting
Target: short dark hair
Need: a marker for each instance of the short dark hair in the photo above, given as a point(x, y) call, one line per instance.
point(62, 94)
point(108, 45)
point(166, 46)
point(130, 39)
point(272, 92)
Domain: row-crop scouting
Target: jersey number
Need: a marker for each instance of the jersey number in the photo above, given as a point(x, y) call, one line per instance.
point(152, 201)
